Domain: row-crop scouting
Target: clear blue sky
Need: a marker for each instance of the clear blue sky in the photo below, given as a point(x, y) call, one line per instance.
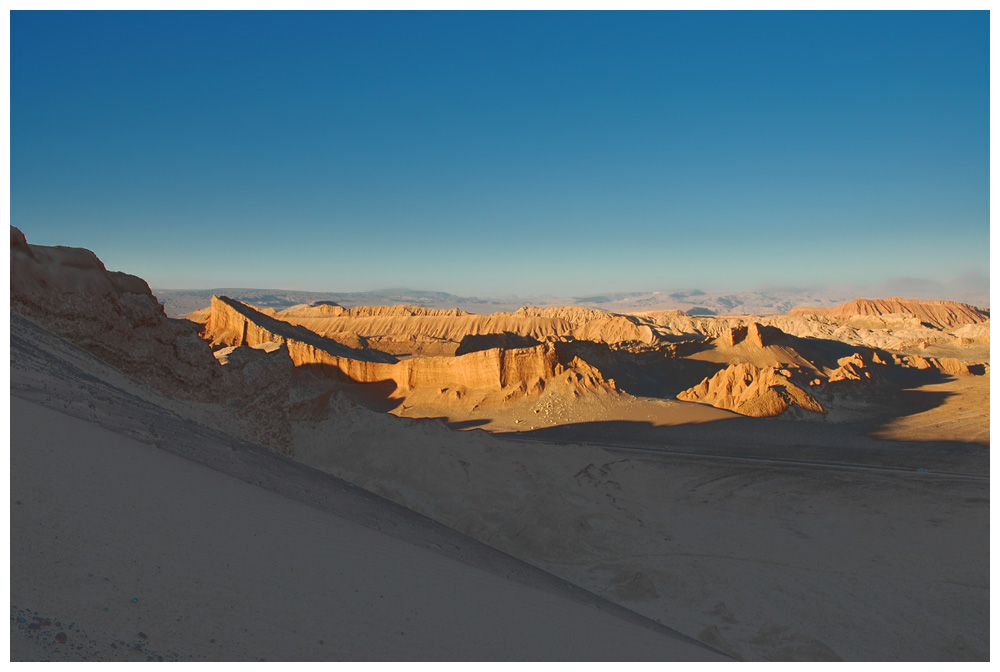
point(498, 153)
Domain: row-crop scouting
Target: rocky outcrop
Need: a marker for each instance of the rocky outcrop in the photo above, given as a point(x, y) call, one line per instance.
point(618, 329)
point(851, 368)
point(492, 370)
point(115, 317)
point(424, 328)
point(752, 333)
point(949, 365)
point(259, 381)
point(112, 315)
point(418, 330)
point(973, 333)
point(753, 343)
point(936, 314)
point(233, 323)
point(749, 390)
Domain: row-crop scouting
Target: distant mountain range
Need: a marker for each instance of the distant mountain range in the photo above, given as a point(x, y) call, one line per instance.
point(971, 288)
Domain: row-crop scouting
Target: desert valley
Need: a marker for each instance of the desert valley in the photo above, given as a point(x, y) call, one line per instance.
point(324, 482)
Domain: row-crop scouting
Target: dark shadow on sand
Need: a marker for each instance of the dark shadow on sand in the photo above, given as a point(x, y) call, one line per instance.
point(771, 438)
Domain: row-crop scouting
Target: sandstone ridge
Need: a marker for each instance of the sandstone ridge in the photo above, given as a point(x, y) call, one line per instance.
point(482, 376)
point(937, 314)
point(414, 330)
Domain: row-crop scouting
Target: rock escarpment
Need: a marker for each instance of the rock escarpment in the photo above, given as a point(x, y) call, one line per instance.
point(112, 315)
point(233, 323)
point(483, 375)
point(936, 314)
point(426, 331)
point(330, 309)
point(757, 344)
point(115, 317)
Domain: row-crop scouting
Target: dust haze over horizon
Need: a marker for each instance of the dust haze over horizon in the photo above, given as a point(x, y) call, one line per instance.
point(498, 154)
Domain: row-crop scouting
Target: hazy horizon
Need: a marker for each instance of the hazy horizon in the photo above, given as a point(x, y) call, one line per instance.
point(499, 154)
point(969, 283)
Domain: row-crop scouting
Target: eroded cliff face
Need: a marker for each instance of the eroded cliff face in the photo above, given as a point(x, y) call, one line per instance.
point(477, 376)
point(497, 358)
point(112, 315)
point(890, 311)
point(757, 344)
point(115, 317)
point(425, 331)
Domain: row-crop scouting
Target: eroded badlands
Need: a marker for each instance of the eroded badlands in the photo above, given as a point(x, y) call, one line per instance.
point(790, 487)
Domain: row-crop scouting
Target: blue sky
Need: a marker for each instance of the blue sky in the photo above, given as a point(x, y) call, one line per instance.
point(505, 153)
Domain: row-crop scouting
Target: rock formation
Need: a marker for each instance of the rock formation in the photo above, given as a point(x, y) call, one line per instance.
point(937, 314)
point(259, 380)
point(112, 315)
point(233, 323)
point(749, 390)
point(752, 333)
point(972, 333)
point(949, 365)
point(757, 344)
point(853, 368)
point(115, 317)
point(477, 375)
point(429, 358)
point(330, 309)
point(414, 330)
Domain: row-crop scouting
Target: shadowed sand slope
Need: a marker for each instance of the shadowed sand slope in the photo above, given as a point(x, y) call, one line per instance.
point(215, 549)
point(209, 567)
point(771, 561)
